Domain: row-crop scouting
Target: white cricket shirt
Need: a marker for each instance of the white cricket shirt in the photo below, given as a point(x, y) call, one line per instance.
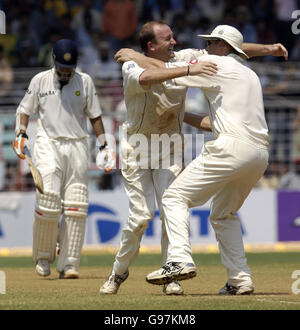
point(61, 113)
point(156, 109)
point(234, 95)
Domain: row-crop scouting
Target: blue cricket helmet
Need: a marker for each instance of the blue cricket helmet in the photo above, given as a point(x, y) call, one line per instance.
point(65, 53)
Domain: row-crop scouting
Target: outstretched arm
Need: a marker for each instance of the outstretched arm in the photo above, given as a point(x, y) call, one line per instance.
point(253, 50)
point(200, 122)
point(155, 76)
point(145, 62)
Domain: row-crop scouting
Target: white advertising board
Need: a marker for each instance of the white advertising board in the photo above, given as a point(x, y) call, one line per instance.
point(108, 212)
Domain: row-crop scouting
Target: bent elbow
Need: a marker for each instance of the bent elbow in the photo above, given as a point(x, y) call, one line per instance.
point(144, 79)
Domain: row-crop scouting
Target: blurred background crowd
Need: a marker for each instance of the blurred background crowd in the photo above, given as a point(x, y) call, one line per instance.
point(101, 27)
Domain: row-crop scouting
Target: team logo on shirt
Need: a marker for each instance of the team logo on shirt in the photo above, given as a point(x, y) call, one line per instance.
point(77, 93)
point(130, 66)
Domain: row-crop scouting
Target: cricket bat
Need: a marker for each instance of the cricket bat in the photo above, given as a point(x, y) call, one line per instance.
point(37, 178)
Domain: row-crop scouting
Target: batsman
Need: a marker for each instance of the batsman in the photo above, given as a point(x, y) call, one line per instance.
point(62, 99)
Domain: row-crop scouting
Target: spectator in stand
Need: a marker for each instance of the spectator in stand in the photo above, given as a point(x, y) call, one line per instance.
point(291, 180)
point(66, 30)
point(96, 59)
point(42, 21)
point(79, 20)
point(163, 12)
point(262, 10)
point(283, 10)
point(280, 119)
point(212, 9)
point(6, 76)
point(45, 52)
point(265, 35)
point(181, 31)
point(244, 25)
point(199, 26)
point(295, 53)
point(59, 7)
point(27, 44)
point(119, 22)
point(84, 33)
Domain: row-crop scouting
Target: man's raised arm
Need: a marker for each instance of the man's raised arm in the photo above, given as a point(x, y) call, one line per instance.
point(145, 62)
point(253, 50)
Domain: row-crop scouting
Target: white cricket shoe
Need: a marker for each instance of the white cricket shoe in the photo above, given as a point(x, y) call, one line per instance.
point(173, 288)
point(69, 272)
point(172, 271)
point(112, 284)
point(234, 290)
point(42, 267)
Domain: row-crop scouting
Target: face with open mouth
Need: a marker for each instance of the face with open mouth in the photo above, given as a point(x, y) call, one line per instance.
point(163, 44)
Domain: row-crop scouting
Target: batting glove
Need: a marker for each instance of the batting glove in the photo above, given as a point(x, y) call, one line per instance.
point(106, 158)
point(18, 145)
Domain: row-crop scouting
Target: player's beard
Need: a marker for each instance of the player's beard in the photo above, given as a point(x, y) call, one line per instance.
point(64, 77)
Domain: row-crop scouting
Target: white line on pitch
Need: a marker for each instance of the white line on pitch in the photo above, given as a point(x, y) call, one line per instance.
point(279, 301)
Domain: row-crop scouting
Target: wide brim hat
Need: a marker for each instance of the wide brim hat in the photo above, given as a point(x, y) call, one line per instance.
point(229, 34)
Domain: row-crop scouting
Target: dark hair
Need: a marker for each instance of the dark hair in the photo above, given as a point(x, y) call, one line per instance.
point(147, 33)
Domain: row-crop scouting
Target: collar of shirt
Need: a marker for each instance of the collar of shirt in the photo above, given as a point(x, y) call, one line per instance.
point(236, 57)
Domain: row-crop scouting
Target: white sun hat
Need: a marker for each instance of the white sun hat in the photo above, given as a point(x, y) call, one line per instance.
point(229, 34)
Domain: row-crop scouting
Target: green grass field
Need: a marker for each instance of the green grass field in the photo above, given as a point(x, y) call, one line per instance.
point(271, 274)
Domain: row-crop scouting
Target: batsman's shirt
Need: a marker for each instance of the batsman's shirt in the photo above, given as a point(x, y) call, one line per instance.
point(62, 113)
point(234, 96)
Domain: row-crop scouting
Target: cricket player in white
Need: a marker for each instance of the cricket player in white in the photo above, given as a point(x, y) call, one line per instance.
point(63, 100)
point(152, 108)
point(227, 168)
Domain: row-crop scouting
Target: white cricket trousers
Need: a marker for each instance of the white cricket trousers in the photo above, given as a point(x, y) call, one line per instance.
point(142, 187)
point(226, 170)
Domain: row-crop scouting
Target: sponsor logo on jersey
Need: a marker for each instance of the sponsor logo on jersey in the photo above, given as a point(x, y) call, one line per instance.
point(47, 93)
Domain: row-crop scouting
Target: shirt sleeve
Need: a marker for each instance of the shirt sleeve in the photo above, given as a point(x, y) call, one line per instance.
point(189, 55)
point(30, 103)
point(131, 73)
point(199, 81)
point(93, 109)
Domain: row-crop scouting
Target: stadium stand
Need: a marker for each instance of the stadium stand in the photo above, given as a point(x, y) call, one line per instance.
point(40, 23)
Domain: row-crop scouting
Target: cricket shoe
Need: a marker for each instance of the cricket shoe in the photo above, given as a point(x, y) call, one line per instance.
point(42, 267)
point(173, 288)
point(234, 290)
point(69, 273)
point(172, 271)
point(112, 284)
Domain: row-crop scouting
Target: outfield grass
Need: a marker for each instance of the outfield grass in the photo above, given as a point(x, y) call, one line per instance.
point(271, 274)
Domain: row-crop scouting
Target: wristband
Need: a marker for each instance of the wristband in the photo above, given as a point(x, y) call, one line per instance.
point(103, 146)
point(188, 71)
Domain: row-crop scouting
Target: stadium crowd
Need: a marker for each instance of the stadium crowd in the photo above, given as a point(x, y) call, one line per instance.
point(101, 27)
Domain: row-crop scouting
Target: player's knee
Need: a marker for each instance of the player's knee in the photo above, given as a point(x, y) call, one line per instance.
point(141, 227)
point(76, 201)
point(48, 206)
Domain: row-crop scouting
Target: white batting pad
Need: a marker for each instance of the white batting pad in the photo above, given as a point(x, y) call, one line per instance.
point(72, 229)
point(45, 228)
